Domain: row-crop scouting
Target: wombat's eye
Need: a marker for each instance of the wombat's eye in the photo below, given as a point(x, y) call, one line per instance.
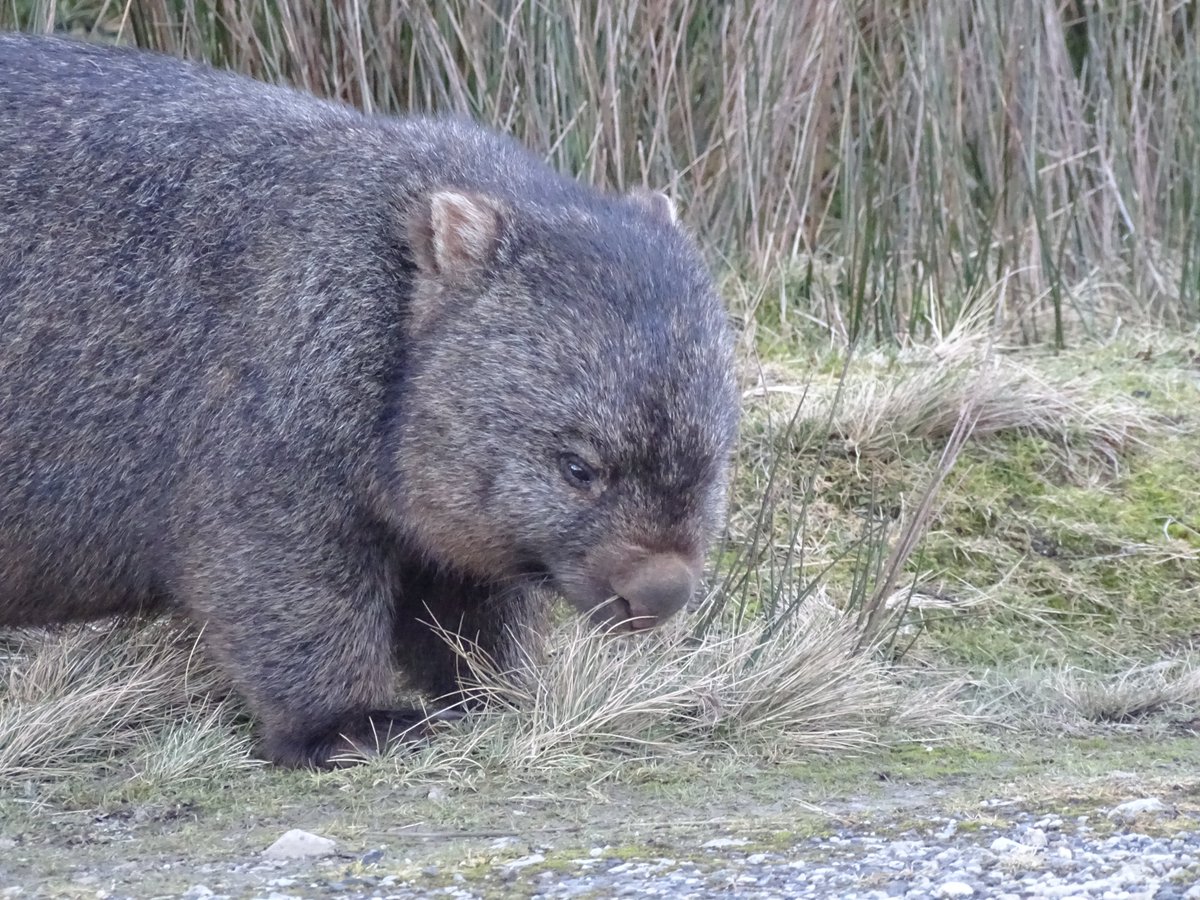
point(576, 472)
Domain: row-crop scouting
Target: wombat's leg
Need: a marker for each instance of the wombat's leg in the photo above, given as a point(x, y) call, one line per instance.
point(305, 635)
point(433, 611)
point(359, 735)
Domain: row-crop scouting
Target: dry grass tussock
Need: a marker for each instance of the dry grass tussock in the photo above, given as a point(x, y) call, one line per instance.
point(595, 703)
point(139, 701)
point(86, 698)
point(1075, 699)
point(886, 401)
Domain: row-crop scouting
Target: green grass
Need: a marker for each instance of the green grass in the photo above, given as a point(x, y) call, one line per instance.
point(1098, 550)
point(1093, 559)
point(1060, 548)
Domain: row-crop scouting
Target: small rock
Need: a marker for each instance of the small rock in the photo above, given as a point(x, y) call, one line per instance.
point(996, 802)
point(197, 891)
point(1065, 853)
point(718, 843)
point(1035, 838)
point(948, 832)
point(1005, 846)
point(955, 889)
point(436, 794)
point(297, 844)
point(1134, 808)
point(531, 860)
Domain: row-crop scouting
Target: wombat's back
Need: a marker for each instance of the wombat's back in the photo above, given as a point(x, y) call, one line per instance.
point(102, 318)
point(166, 231)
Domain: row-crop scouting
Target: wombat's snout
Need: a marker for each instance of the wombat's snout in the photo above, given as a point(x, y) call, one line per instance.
point(657, 587)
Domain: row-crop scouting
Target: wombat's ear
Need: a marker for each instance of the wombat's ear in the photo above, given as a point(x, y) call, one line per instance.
point(454, 235)
point(656, 203)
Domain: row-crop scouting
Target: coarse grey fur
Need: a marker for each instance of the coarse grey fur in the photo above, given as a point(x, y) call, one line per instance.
point(316, 378)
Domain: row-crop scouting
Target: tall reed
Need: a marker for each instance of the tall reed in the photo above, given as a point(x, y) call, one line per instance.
point(1035, 158)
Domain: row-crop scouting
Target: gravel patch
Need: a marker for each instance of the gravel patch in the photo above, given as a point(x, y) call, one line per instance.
point(1045, 858)
point(1022, 857)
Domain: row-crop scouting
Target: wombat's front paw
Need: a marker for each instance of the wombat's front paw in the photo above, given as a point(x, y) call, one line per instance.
point(356, 739)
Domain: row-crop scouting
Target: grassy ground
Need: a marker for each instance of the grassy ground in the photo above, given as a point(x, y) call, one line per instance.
point(1063, 548)
point(429, 836)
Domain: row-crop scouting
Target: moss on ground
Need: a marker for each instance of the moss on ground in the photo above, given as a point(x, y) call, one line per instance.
point(1095, 558)
point(1043, 546)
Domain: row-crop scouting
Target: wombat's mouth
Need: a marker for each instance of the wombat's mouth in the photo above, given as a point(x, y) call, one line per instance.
point(625, 602)
point(617, 615)
point(614, 613)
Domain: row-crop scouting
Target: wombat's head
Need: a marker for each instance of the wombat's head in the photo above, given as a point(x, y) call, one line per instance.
point(569, 408)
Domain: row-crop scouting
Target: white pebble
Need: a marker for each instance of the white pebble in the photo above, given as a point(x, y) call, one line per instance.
point(297, 844)
point(531, 860)
point(955, 889)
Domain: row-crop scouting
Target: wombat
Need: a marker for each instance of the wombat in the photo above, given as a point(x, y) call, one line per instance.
point(317, 379)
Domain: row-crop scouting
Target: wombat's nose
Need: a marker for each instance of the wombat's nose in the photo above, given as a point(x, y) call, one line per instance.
point(658, 587)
